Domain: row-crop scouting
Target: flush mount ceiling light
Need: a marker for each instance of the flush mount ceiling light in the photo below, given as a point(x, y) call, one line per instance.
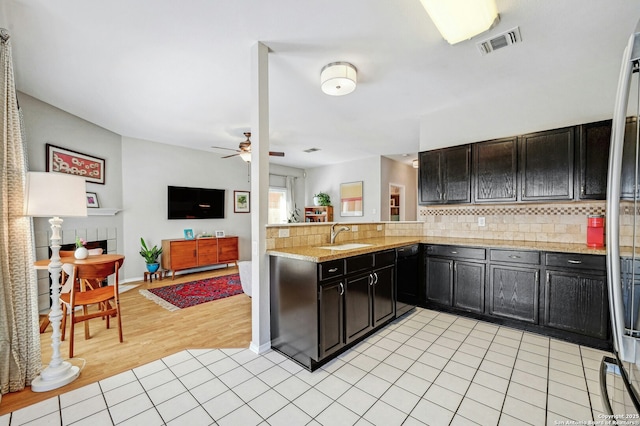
point(459, 20)
point(338, 78)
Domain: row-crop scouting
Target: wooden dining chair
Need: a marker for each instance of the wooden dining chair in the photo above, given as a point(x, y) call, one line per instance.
point(104, 299)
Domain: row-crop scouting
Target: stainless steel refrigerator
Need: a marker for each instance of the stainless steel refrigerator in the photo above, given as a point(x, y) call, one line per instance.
point(620, 375)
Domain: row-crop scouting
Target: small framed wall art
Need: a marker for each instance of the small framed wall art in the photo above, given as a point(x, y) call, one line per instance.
point(92, 200)
point(188, 234)
point(241, 203)
point(63, 160)
point(219, 234)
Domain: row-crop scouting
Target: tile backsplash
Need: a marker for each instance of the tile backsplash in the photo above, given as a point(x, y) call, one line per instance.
point(551, 222)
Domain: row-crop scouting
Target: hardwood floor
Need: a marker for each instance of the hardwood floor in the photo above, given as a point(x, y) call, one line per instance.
point(150, 333)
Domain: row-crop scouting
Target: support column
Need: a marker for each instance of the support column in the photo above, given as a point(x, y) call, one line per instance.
point(260, 321)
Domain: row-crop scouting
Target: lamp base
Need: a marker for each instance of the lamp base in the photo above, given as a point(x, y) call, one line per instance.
point(55, 377)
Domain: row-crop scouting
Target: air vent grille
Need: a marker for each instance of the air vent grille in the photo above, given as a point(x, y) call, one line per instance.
point(501, 40)
point(311, 150)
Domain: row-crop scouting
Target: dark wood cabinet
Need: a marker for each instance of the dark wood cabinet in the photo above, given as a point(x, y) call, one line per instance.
point(593, 160)
point(439, 281)
point(629, 180)
point(454, 279)
point(546, 165)
point(468, 286)
point(331, 317)
point(445, 175)
point(576, 294)
point(383, 300)
point(358, 309)
point(495, 165)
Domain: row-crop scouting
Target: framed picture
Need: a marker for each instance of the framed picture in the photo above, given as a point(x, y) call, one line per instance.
point(241, 202)
point(219, 234)
point(63, 160)
point(92, 200)
point(188, 234)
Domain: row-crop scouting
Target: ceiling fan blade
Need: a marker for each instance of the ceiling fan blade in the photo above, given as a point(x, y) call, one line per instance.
point(276, 153)
point(232, 155)
point(228, 149)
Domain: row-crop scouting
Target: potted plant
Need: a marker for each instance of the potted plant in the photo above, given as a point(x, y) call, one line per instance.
point(322, 199)
point(150, 256)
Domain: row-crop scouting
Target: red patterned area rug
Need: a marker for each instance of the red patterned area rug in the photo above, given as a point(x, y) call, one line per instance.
point(179, 296)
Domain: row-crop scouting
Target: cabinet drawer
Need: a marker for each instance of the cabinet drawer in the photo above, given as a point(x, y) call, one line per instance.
point(578, 261)
point(385, 258)
point(331, 269)
point(515, 256)
point(457, 252)
point(358, 263)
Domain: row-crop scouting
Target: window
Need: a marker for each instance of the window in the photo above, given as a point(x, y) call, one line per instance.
point(277, 205)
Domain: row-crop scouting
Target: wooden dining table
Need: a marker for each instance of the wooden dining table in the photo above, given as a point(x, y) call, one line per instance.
point(91, 260)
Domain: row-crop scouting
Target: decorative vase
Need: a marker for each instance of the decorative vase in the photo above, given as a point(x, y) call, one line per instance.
point(81, 253)
point(316, 201)
point(152, 267)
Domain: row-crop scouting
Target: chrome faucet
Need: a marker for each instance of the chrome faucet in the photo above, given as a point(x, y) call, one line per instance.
point(335, 233)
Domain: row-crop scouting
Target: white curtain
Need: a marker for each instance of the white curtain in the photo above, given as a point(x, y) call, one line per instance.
point(20, 356)
point(292, 209)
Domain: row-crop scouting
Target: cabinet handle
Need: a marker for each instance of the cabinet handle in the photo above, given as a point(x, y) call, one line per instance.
point(537, 277)
point(341, 287)
point(454, 252)
point(400, 249)
point(574, 262)
point(333, 270)
point(582, 190)
point(375, 274)
point(370, 280)
point(455, 267)
point(513, 256)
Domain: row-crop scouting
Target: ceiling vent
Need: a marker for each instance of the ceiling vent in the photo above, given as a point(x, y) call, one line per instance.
point(501, 40)
point(310, 150)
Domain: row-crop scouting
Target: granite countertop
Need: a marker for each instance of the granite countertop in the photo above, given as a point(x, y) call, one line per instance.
point(317, 254)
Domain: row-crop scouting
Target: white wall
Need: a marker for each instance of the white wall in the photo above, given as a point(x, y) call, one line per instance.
point(395, 172)
point(148, 168)
point(328, 179)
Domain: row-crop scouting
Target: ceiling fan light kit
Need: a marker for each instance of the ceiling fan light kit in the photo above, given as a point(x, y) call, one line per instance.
point(244, 150)
point(459, 20)
point(338, 78)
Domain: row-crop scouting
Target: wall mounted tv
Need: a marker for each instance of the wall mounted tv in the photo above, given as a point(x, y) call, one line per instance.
point(195, 203)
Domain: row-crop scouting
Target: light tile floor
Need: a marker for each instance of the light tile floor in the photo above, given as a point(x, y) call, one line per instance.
point(425, 368)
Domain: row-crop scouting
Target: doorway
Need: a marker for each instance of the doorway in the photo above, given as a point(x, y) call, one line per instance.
point(396, 202)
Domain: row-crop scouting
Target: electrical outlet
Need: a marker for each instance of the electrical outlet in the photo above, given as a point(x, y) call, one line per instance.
point(354, 228)
point(283, 233)
point(481, 221)
point(374, 211)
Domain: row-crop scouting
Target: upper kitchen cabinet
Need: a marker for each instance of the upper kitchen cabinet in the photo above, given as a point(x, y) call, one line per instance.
point(495, 169)
point(593, 160)
point(546, 165)
point(628, 184)
point(445, 175)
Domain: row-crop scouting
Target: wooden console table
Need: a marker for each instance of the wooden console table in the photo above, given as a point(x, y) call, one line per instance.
point(180, 254)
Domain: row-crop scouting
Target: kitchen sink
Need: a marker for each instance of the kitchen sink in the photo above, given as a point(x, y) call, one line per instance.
point(347, 246)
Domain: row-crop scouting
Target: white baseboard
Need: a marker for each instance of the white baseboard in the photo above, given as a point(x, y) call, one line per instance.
point(259, 349)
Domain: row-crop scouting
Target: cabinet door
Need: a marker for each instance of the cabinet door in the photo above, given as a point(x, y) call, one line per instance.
point(227, 249)
point(331, 319)
point(429, 184)
point(513, 292)
point(546, 160)
point(357, 300)
point(594, 160)
point(439, 281)
point(384, 304)
point(183, 255)
point(576, 302)
point(495, 164)
point(456, 174)
point(207, 251)
point(628, 182)
point(468, 286)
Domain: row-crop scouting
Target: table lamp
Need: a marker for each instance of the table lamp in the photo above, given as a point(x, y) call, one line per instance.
point(54, 195)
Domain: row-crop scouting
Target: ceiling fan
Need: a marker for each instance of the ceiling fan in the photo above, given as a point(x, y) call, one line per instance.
point(244, 150)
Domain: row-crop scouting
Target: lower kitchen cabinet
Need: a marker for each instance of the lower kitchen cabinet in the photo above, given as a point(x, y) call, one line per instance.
point(318, 309)
point(576, 294)
point(514, 292)
point(439, 281)
point(468, 286)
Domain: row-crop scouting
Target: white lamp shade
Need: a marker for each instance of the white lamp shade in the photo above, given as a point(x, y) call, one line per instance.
point(55, 194)
point(338, 78)
point(459, 20)
point(246, 156)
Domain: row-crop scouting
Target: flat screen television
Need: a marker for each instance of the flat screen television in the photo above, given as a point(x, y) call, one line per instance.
point(195, 203)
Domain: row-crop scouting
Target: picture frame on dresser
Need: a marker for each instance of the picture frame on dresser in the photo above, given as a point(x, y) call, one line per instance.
point(63, 160)
point(188, 234)
point(220, 234)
